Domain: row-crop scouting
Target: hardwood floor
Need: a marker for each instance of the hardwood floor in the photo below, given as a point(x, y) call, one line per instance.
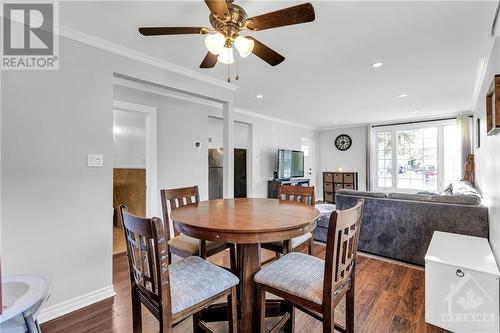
point(389, 298)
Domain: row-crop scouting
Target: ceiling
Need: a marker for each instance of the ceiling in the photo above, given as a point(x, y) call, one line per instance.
point(430, 49)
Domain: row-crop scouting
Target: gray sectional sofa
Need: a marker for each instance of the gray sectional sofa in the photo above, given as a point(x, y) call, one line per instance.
point(400, 226)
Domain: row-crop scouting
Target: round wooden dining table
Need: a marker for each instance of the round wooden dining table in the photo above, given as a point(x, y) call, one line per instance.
point(247, 223)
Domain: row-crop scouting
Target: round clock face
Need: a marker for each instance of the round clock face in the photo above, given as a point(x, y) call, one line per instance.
point(343, 142)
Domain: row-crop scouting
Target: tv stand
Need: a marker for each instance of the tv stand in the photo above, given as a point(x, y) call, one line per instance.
point(273, 185)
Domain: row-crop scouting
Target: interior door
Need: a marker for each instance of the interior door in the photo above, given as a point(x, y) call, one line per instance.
point(308, 148)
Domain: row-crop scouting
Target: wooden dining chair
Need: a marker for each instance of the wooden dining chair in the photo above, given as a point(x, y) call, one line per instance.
point(313, 285)
point(183, 245)
point(302, 195)
point(171, 292)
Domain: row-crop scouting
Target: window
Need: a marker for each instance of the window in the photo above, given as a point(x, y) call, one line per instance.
point(419, 157)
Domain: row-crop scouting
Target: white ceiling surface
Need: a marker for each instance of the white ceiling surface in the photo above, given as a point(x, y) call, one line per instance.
point(431, 52)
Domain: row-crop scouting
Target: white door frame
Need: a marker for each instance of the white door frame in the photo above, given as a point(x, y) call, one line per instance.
point(312, 158)
point(152, 197)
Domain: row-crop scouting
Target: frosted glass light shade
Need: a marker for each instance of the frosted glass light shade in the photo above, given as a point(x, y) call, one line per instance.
point(215, 43)
point(244, 46)
point(226, 56)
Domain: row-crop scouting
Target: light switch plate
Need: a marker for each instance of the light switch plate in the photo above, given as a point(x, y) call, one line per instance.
point(95, 160)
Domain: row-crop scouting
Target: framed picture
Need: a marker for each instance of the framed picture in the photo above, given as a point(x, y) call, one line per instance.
point(478, 133)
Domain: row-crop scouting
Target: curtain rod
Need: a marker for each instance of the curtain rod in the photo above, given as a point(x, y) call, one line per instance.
point(418, 122)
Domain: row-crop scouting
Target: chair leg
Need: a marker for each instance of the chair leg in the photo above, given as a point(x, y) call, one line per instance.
point(349, 309)
point(261, 308)
point(328, 320)
point(232, 311)
point(232, 259)
point(290, 324)
point(136, 312)
point(310, 248)
point(196, 321)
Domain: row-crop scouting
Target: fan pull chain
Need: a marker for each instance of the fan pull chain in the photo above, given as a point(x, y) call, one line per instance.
point(237, 70)
point(228, 67)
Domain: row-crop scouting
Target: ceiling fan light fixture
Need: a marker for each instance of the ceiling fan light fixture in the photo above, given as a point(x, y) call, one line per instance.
point(226, 56)
point(244, 46)
point(215, 43)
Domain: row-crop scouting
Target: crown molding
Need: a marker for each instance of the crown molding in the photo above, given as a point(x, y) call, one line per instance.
point(482, 67)
point(338, 127)
point(202, 101)
point(277, 120)
point(106, 45)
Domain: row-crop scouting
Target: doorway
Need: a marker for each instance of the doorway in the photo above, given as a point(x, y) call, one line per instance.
point(307, 146)
point(215, 171)
point(134, 164)
point(242, 160)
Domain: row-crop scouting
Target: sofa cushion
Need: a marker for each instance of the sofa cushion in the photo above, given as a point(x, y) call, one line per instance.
point(362, 193)
point(458, 199)
point(408, 196)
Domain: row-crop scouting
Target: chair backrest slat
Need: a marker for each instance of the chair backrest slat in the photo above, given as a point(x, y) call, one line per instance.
point(175, 198)
point(341, 247)
point(300, 194)
point(148, 257)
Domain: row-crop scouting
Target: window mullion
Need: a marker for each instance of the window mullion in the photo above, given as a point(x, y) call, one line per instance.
point(394, 159)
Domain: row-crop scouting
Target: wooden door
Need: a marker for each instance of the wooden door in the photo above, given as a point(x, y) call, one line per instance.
point(129, 188)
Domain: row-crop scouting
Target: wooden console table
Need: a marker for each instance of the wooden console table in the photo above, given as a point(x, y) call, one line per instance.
point(273, 185)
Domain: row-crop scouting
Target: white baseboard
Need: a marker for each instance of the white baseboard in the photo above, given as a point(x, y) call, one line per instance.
point(74, 304)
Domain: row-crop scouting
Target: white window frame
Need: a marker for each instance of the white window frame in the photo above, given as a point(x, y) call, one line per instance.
point(393, 129)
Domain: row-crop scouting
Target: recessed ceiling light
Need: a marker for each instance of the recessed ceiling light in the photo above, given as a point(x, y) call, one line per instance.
point(416, 111)
point(335, 121)
point(259, 96)
point(403, 96)
point(377, 64)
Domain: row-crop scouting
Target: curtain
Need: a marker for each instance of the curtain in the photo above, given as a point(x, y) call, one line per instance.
point(464, 132)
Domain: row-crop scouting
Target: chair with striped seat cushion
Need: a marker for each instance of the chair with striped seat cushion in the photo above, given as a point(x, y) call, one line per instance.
point(301, 195)
point(182, 245)
point(194, 280)
point(314, 285)
point(173, 292)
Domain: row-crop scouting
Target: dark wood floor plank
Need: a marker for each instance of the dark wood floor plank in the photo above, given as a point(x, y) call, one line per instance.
point(389, 298)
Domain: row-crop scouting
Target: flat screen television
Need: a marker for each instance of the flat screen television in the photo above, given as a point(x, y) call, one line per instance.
point(290, 164)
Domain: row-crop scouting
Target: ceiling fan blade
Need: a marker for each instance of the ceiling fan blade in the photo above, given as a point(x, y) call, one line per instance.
point(267, 54)
point(280, 18)
point(210, 61)
point(218, 8)
point(158, 31)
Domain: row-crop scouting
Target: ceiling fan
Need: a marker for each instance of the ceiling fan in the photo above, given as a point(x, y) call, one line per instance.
point(228, 20)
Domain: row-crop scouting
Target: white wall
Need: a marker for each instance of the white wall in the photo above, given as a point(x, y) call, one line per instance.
point(488, 156)
point(129, 139)
point(56, 211)
point(242, 134)
point(352, 160)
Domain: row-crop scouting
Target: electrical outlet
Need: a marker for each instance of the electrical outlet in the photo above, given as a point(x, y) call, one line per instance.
point(95, 160)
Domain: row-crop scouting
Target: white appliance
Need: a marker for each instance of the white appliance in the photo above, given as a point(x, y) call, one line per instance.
point(461, 284)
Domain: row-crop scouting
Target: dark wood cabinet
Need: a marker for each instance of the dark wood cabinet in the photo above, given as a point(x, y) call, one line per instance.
point(334, 181)
point(273, 185)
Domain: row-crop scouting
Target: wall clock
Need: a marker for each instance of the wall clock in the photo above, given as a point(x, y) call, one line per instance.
point(343, 142)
